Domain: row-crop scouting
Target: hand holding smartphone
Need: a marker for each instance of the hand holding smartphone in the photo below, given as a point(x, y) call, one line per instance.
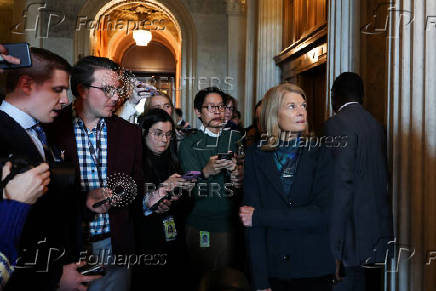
point(191, 175)
point(92, 270)
point(225, 156)
point(19, 51)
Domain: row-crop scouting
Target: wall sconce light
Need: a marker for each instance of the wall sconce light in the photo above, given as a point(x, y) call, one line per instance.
point(142, 37)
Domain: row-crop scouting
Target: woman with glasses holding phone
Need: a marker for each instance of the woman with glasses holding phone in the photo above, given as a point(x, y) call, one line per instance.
point(286, 199)
point(160, 234)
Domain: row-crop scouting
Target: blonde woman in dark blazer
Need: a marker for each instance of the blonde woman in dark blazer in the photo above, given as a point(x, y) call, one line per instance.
point(286, 199)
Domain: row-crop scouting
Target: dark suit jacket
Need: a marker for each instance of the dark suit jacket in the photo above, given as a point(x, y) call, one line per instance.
point(51, 226)
point(289, 237)
point(361, 215)
point(124, 156)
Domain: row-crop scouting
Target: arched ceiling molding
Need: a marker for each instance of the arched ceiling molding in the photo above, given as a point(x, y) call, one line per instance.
point(110, 6)
point(118, 41)
point(123, 43)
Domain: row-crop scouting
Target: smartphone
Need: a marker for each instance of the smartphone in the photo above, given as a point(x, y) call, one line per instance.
point(225, 156)
point(92, 270)
point(20, 51)
point(191, 175)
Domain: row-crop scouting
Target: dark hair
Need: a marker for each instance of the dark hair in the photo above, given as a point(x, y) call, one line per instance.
point(255, 119)
point(228, 98)
point(83, 71)
point(201, 95)
point(44, 62)
point(347, 87)
point(154, 116)
point(238, 114)
point(179, 112)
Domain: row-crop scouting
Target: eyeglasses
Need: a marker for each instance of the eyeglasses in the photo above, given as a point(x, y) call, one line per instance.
point(230, 108)
point(215, 108)
point(110, 91)
point(159, 134)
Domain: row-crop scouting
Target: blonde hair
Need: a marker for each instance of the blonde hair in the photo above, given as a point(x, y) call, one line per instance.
point(147, 104)
point(271, 103)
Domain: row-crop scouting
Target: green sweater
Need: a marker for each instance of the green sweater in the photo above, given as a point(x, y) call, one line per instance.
point(213, 207)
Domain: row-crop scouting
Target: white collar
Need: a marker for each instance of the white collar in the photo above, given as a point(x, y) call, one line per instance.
point(346, 104)
point(208, 132)
point(22, 118)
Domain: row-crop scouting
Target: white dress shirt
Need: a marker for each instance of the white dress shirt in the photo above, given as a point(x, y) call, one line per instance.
point(208, 132)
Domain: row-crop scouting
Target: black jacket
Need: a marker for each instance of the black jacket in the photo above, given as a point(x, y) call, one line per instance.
point(52, 228)
point(150, 234)
point(289, 237)
point(361, 222)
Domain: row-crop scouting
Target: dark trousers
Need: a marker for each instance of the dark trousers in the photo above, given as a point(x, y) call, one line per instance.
point(304, 284)
point(361, 279)
point(218, 255)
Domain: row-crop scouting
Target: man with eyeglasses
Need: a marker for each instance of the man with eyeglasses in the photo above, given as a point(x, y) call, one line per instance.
point(100, 144)
point(211, 225)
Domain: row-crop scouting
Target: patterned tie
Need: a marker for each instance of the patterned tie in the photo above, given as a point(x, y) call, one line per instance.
point(41, 134)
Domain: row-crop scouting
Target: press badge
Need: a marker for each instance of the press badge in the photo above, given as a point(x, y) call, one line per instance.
point(204, 239)
point(169, 228)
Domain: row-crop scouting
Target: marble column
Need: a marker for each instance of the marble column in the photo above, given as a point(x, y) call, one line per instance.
point(269, 44)
point(250, 61)
point(343, 51)
point(411, 120)
point(235, 48)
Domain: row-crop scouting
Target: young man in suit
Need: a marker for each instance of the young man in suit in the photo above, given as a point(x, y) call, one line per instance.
point(35, 95)
point(101, 144)
point(361, 222)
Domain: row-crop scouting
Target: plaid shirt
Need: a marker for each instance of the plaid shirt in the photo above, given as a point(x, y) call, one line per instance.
point(89, 179)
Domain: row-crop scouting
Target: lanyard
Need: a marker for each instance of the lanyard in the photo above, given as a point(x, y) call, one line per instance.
point(96, 152)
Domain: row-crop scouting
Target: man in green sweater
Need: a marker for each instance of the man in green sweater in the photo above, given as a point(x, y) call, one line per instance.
point(211, 225)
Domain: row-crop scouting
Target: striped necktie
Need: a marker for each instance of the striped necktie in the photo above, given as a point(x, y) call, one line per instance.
point(41, 134)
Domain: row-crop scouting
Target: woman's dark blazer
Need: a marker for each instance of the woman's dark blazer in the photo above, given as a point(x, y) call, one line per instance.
point(289, 237)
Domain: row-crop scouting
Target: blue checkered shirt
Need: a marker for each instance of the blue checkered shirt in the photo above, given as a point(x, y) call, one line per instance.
point(89, 179)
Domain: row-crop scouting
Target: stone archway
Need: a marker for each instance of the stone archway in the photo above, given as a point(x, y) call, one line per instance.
point(188, 53)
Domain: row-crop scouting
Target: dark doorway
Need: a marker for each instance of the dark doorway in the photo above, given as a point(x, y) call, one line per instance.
point(313, 82)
